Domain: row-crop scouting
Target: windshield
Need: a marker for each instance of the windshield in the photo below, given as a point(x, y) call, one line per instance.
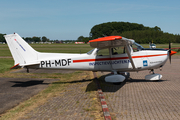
point(138, 46)
point(90, 52)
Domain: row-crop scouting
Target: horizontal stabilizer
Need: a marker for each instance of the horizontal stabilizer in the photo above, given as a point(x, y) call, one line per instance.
point(30, 64)
point(16, 66)
point(24, 65)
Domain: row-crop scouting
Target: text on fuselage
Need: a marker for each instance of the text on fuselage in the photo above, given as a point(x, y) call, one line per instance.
point(55, 63)
point(109, 62)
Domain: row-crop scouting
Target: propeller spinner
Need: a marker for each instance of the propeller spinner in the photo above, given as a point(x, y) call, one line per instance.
point(171, 52)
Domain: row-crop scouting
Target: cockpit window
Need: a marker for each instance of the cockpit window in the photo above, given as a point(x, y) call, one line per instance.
point(137, 47)
point(90, 52)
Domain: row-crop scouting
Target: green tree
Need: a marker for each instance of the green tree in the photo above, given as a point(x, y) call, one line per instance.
point(83, 39)
point(45, 39)
point(36, 39)
point(28, 39)
point(80, 39)
point(118, 27)
point(2, 39)
point(86, 39)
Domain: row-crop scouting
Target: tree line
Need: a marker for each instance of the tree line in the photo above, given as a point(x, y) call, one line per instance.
point(36, 39)
point(138, 32)
point(27, 39)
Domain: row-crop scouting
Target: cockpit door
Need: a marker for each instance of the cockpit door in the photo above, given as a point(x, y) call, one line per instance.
point(139, 56)
point(119, 59)
point(102, 60)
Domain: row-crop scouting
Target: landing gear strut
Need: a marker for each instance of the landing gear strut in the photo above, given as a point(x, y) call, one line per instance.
point(27, 70)
point(152, 71)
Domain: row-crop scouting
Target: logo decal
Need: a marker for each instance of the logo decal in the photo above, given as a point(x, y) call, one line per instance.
point(145, 63)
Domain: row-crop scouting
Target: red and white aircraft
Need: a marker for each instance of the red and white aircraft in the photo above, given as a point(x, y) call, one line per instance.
point(112, 53)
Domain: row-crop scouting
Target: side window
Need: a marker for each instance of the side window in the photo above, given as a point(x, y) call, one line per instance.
point(118, 50)
point(103, 52)
point(134, 47)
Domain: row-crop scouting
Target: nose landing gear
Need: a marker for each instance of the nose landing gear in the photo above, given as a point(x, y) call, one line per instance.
point(153, 76)
point(152, 71)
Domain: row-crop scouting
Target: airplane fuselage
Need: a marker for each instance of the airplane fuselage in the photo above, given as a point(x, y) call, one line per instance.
point(145, 59)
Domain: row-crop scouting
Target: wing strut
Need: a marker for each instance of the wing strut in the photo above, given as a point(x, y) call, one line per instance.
point(129, 55)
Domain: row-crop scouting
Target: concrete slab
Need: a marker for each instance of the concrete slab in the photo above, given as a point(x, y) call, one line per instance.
point(139, 99)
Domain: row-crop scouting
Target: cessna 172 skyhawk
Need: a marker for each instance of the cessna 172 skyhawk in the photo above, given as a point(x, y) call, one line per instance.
point(112, 53)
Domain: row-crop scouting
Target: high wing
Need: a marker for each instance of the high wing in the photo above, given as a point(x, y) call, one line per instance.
point(114, 41)
point(110, 41)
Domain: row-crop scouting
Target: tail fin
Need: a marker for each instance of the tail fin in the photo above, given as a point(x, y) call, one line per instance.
point(23, 54)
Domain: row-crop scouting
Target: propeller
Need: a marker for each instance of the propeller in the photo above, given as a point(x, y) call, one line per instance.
point(169, 51)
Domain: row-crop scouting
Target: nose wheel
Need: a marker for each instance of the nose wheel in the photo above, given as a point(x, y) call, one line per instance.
point(153, 76)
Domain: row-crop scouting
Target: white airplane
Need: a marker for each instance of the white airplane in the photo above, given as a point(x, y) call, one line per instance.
point(115, 54)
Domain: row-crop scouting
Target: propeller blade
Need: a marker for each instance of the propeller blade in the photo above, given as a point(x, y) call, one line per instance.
point(170, 58)
point(169, 51)
point(169, 46)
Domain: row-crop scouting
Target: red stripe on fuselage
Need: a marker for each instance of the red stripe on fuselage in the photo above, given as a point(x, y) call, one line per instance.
point(148, 56)
point(117, 58)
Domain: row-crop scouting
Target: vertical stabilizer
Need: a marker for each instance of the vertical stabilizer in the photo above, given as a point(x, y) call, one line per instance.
point(21, 51)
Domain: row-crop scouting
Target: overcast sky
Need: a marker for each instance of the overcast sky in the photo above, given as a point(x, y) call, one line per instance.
point(69, 19)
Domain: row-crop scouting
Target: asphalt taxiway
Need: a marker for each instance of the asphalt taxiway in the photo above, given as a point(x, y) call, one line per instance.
point(15, 90)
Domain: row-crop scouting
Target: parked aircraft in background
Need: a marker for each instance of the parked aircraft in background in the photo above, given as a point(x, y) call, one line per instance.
point(152, 45)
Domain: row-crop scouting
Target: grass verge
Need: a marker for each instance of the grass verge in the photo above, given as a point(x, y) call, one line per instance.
point(53, 90)
point(6, 64)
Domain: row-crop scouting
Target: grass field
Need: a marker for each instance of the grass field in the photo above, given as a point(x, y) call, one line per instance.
point(54, 48)
point(5, 64)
